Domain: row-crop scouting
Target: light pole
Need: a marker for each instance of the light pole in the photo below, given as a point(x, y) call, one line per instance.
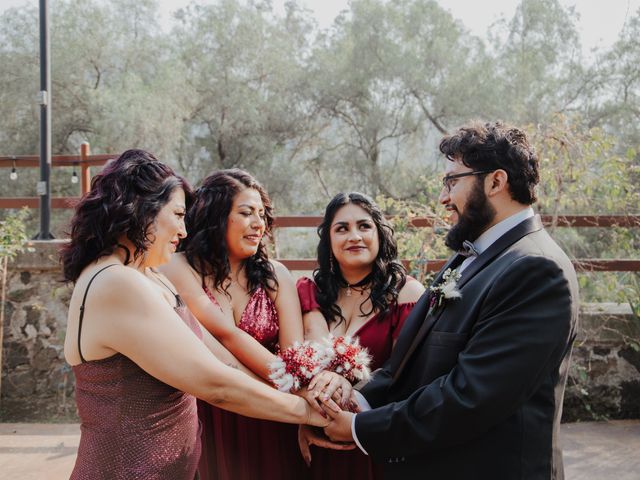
point(44, 99)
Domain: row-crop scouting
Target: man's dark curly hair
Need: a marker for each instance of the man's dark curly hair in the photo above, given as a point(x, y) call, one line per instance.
point(206, 245)
point(387, 277)
point(493, 146)
point(125, 198)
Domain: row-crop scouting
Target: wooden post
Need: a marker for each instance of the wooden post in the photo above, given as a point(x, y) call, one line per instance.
point(85, 173)
point(4, 264)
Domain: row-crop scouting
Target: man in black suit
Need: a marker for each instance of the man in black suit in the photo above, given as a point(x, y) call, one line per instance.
point(474, 387)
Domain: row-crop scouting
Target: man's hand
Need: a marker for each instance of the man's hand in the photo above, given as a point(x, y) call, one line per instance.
point(308, 436)
point(339, 429)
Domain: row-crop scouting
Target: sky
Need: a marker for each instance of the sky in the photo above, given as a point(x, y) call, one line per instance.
point(599, 24)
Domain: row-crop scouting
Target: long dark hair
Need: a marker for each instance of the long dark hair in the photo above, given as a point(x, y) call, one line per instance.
point(125, 198)
point(206, 247)
point(387, 277)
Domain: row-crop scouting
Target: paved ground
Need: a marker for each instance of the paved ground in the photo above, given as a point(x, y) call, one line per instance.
point(592, 451)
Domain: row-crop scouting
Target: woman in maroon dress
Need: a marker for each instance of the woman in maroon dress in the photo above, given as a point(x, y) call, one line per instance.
point(360, 290)
point(140, 358)
point(249, 303)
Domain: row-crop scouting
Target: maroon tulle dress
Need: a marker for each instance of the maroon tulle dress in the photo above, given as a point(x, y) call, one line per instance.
point(235, 447)
point(132, 424)
point(377, 335)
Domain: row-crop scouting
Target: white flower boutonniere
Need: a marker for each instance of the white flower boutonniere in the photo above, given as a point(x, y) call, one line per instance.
point(445, 290)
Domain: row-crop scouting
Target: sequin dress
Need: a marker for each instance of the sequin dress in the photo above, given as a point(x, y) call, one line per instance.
point(133, 426)
point(235, 447)
point(378, 335)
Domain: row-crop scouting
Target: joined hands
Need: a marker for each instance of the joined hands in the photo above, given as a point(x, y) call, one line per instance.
point(330, 395)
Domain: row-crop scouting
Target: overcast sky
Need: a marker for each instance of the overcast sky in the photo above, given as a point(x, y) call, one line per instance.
point(599, 24)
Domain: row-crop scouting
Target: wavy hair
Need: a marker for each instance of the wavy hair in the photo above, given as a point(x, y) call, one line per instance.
point(125, 199)
point(206, 246)
point(492, 146)
point(388, 276)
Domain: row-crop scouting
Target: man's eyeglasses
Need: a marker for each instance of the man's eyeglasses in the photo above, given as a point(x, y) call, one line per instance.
point(446, 181)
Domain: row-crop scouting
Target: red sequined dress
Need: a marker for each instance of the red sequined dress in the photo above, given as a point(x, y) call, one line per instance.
point(132, 424)
point(235, 447)
point(377, 335)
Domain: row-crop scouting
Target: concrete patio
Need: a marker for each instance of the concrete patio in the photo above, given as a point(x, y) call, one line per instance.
point(592, 451)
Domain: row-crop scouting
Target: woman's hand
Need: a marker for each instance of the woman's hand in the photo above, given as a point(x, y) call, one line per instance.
point(316, 401)
point(308, 436)
point(315, 418)
point(329, 385)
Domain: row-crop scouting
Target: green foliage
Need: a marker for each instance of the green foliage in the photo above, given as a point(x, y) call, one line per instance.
point(13, 235)
point(582, 172)
point(540, 61)
point(418, 245)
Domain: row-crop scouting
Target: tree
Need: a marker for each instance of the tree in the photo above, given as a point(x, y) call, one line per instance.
point(245, 73)
point(13, 239)
point(113, 83)
point(615, 105)
point(538, 56)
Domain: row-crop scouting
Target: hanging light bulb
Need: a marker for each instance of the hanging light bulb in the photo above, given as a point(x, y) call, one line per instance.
point(13, 175)
point(74, 175)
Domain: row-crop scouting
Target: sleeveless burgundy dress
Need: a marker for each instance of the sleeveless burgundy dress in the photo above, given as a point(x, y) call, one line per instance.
point(133, 426)
point(235, 447)
point(377, 335)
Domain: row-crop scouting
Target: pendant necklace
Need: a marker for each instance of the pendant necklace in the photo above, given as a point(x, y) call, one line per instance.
point(355, 286)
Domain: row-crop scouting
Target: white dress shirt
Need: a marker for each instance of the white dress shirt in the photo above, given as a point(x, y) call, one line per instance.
point(483, 242)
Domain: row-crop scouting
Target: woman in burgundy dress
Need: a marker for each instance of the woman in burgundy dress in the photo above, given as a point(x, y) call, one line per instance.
point(360, 290)
point(249, 303)
point(139, 357)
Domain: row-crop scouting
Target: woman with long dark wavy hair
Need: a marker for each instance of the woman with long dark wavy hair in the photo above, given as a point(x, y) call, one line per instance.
point(249, 303)
point(359, 289)
point(139, 356)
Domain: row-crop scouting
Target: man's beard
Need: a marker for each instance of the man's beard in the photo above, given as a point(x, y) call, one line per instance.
point(478, 214)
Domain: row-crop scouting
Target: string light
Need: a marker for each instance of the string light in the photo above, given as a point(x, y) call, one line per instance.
point(74, 175)
point(13, 175)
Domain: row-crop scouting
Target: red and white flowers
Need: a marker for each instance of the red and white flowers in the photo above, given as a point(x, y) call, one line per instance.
point(348, 358)
point(298, 364)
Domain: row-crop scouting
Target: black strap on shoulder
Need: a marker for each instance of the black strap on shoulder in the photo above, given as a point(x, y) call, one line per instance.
point(179, 302)
point(84, 299)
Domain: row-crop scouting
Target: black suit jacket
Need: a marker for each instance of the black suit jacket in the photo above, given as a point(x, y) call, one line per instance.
point(474, 390)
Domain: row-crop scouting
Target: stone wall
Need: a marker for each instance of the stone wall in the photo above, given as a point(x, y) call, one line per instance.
point(37, 384)
point(36, 381)
point(604, 379)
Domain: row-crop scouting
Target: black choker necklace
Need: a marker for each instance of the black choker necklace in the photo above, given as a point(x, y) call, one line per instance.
point(365, 281)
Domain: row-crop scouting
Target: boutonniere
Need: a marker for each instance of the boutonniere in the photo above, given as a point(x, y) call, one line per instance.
point(444, 290)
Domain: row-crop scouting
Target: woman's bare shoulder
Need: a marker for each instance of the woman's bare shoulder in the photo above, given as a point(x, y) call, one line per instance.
point(115, 285)
point(178, 269)
point(280, 269)
point(411, 291)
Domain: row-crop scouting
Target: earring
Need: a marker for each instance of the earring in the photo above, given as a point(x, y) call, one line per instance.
point(331, 264)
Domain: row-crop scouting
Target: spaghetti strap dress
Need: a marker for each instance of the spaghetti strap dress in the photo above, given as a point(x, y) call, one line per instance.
point(133, 426)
